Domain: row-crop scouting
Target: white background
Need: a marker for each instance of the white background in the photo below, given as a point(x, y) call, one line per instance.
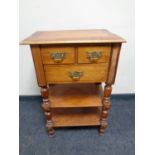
point(114, 15)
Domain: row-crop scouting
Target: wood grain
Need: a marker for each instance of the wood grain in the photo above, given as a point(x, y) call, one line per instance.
point(46, 52)
point(73, 36)
point(76, 117)
point(113, 63)
point(75, 95)
point(35, 49)
point(91, 73)
point(83, 53)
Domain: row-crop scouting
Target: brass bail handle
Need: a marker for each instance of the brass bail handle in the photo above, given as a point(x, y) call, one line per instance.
point(75, 75)
point(94, 56)
point(58, 56)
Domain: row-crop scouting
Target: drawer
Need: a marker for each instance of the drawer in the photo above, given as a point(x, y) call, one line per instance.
point(58, 55)
point(76, 73)
point(94, 54)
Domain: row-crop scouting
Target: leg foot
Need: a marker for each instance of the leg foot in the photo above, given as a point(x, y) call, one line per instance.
point(103, 126)
point(50, 129)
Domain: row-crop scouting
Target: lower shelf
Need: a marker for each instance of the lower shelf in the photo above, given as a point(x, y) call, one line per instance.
point(76, 117)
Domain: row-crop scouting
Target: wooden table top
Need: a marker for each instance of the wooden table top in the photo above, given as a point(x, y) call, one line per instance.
point(72, 36)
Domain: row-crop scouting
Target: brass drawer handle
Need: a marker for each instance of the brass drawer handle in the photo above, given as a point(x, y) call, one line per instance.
point(75, 75)
point(94, 56)
point(58, 56)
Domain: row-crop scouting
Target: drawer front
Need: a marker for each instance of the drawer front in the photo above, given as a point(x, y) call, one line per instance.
point(58, 55)
point(95, 54)
point(76, 73)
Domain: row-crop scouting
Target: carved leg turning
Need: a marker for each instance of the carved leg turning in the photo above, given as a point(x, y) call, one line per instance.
point(105, 108)
point(47, 110)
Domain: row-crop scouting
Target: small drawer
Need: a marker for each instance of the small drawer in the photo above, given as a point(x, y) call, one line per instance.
point(94, 54)
point(76, 73)
point(57, 55)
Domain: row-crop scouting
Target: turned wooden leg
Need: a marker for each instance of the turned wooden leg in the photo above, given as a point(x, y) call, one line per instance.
point(47, 110)
point(105, 108)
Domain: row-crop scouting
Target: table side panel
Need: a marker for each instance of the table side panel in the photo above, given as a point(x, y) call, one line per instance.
point(39, 69)
point(113, 63)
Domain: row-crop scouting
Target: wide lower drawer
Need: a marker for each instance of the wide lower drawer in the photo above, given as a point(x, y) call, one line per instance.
point(76, 73)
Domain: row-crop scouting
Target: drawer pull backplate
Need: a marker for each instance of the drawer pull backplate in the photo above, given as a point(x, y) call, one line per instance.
point(75, 75)
point(94, 56)
point(58, 56)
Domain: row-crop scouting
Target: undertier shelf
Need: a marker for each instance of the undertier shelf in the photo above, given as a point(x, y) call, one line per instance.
point(75, 95)
point(68, 117)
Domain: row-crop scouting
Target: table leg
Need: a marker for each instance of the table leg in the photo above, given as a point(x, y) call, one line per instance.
point(105, 108)
point(47, 110)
